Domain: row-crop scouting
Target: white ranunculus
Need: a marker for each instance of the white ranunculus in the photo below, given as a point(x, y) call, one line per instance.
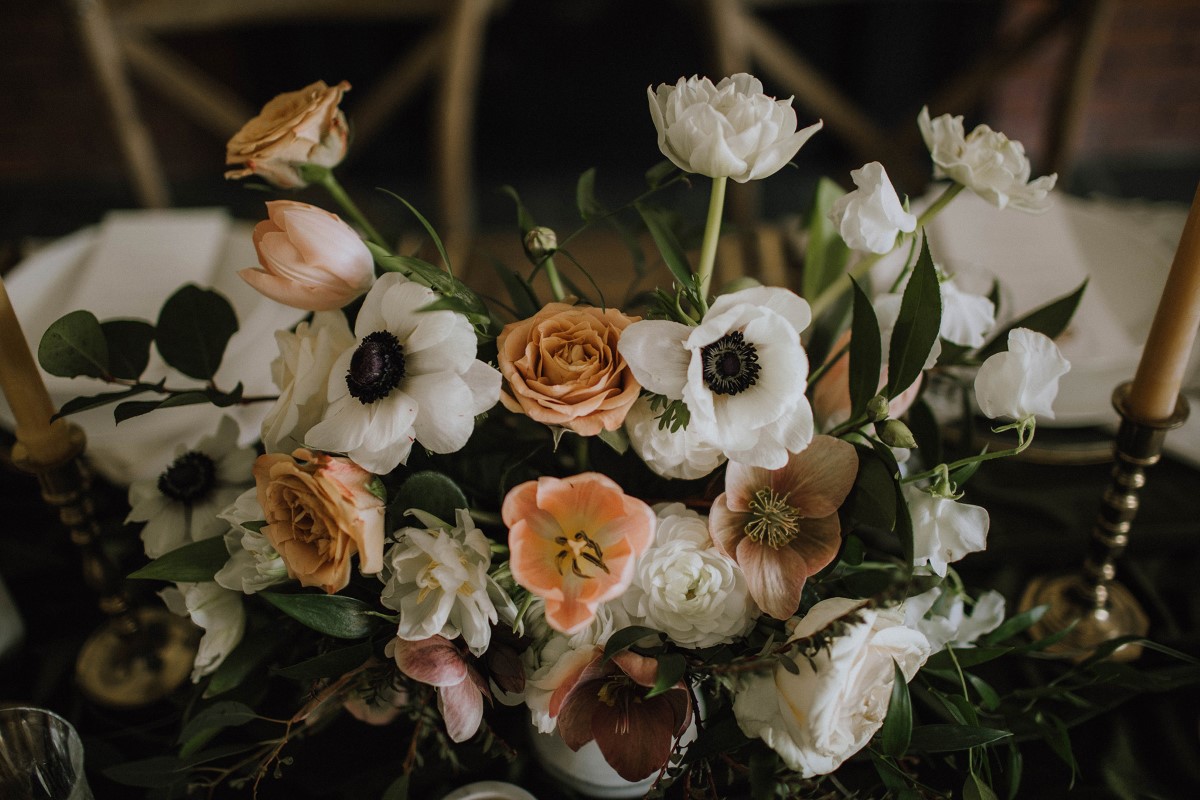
point(1023, 381)
point(834, 703)
point(871, 217)
point(215, 609)
point(680, 454)
point(728, 130)
point(940, 614)
point(985, 161)
point(302, 374)
point(686, 588)
point(437, 578)
point(253, 563)
point(966, 318)
point(944, 530)
point(409, 376)
point(741, 372)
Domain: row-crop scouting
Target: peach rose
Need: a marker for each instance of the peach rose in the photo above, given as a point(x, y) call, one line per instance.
point(320, 512)
point(561, 367)
point(309, 258)
point(304, 127)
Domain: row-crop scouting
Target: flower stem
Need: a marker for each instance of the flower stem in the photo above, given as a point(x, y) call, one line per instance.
point(712, 232)
point(1025, 430)
point(943, 200)
point(339, 195)
point(556, 286)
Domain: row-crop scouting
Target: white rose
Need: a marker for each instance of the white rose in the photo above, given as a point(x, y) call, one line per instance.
point(215, 609)
point(835, 702)
point(871, 217)
point(680, 454)
point(729, 130)
point(1023, 381)
point(944, 530)
point(986, 161)
point(940, 614)
point(686, 588)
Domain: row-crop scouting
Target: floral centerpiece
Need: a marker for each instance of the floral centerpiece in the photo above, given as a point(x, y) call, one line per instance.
point(694, 515)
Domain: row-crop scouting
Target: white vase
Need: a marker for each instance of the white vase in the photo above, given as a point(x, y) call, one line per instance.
point(490, 790)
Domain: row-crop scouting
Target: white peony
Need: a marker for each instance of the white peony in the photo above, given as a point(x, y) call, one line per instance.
point(835, 702)
point(301, 372)
point(944, 530)
point(687, 588)
point(437, 578)
point(253, 563)
point(1023, 381)
point(940, 614)
point(730, 130)
point(680, 454)
point(410, 376)
point(741, 372)
point(871, 217)
point(986, 161)
point(215, 609)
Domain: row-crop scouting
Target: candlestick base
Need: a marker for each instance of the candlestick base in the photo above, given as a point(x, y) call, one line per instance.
point(1072, 600)
point(124, 666)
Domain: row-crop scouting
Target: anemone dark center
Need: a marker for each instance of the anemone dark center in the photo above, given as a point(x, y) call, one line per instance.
point(189, 478)
point(730, 364)
point(773, 520)
point(376, 367)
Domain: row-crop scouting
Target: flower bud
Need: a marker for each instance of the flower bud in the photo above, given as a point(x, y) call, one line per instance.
point(895, 433)
point(877, 408)
point(540, 242)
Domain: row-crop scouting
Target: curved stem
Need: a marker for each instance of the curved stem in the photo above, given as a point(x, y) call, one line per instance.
point(556, 285)
point(1025, 430)
point(339, 195)
point(712, 232)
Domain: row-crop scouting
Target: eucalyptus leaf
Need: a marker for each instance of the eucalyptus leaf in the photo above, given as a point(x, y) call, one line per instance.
point(327, 665)
point(945, 738)
point(1051, 319)
point(897, 725)
point(977, 789)
point(193, 329)
point(866, 353)
point(74, 346)
point(1015, 625)
point(825, 253)
point(433, 492)
point(917, 326)
point(331, 614)
point(129, 343)
point(193, 563)
point(585, 196)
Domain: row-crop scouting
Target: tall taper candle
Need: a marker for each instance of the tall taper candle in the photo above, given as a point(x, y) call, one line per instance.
point(22, 385)
point(1160, 372)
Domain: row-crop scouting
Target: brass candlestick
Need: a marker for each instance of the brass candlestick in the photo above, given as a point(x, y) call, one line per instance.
point(139, 655)
point(1100, 606)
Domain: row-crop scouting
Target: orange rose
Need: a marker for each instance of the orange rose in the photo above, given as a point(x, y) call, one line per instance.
point(320, 512)
point(561, 367)
point(304, 127)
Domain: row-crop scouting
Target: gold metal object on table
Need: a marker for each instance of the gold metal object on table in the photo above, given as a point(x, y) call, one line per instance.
point(1101, 608)
point(139, 655)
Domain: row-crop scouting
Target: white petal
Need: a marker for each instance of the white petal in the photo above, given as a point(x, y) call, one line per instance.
point(655, 352)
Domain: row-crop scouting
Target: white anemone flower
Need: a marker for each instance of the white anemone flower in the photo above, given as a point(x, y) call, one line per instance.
point(1021, 382)
point(215, 609)
point(944, 530)
point(985, 161)
point(940, 614)
point(253, 563)
point(679, 454)
point(183, 504)
point(730, 130)
point(741, 372)
point(686, 588)
point(437, 578)
point(410, 375)
point(871, 217)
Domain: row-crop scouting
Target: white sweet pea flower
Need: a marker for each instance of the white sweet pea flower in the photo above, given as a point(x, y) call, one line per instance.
point(301, 372)
point(944, 530)
point(966, 318)
point(741, 372)
point(832, 704)
point(680, 454)
point(986, 161)
point(940, 614)
point(410, 375)
point(687, 588)
point(183, 504)
point(215, 609)
point(730, 130)
point(871, 217)
point(253, 563)
point(1023, 381)
point(437, 578)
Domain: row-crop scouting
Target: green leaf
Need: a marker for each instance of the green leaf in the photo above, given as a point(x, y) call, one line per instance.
point(1051, 319)
point(1016, 766)
point(926, 430)
point(904, 529)
point(944, 738)
point(136, 408)
point(1054, 731)
point(327, 665)
point(77, 404)
point(194, 326)
point(966, 657)
point(618, 440)
point(987, 695)
point(524, 298)
point(872, 501)
point(193, 563)
point(657, 175)
point(825, 253)
point(163, 771)
point(331, 614)
point(917, 327)
point(658, 223)
point(524, 218)
point(433, 235)
point(852, 550)
point(74, 346)
point(763, 764)
point(585, 196)
point(976, 789)
point(897, 725)
point(626, 638)
point(1014, 625)
point(248, 657)
point(721, 736)
point(398, 790)
point(896, 781)
point(129, 343)
point(226, 714)
point(866, 353)
point(432, 492)
point(671, 667)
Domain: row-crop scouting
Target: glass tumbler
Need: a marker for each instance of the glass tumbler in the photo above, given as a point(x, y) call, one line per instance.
point(41, 757)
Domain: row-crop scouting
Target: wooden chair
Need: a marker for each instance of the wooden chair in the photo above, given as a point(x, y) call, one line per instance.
point(121, 40)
